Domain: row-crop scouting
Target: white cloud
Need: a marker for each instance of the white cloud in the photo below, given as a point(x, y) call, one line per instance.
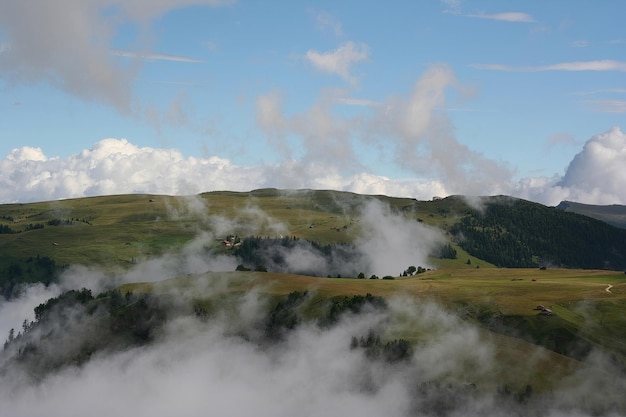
point(597, 172)
point(594, 176)
point(452, 6)
point(149, 56)
point(606, 90)
point(326, 22)
point(340, 61)
point(193, 367)
point(506, 17)
point(562, 138)
point(67, 43)
point(607, 106)
point(114, 166)
point(600, 65)
point(422, 137)
point(357, 102)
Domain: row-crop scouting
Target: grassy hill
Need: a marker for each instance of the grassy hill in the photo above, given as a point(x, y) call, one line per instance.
point(118, 233)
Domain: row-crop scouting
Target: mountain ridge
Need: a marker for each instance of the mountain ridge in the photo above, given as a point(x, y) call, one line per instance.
point(614, 214)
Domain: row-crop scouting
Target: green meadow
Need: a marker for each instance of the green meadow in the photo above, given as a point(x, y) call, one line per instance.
point(114, 232)
point(532, 349)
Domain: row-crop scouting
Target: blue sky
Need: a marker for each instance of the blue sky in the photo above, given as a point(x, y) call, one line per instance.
point(403, 97)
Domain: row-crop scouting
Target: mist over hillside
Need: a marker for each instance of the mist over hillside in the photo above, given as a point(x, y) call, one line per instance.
point(194, 361)
point(177, 331)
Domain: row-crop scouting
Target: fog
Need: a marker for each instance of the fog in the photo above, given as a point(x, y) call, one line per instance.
point(198, 367)
point(384, 243)
point(222, 364)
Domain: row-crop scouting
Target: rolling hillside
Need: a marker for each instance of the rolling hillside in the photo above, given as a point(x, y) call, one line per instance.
point(122, 230)
point(614, 214)
point(267, 266)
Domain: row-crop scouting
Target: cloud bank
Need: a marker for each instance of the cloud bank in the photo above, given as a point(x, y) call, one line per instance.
point(116, 166)
point(594, 176)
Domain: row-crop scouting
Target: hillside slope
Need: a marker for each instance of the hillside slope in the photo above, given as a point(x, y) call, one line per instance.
point(614, 214)
point(512, 232)
point(118, 231)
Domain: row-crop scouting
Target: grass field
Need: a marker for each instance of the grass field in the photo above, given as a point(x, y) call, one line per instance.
point(118, 231)
point(579, 299)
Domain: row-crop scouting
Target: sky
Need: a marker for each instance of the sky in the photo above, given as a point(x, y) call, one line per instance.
point(404, 98)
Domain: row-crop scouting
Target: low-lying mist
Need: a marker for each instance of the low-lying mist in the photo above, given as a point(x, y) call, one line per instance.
point(228, 360)
point(197, 348)
point(383, 243)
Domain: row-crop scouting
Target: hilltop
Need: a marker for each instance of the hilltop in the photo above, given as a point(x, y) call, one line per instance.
point(121, 230)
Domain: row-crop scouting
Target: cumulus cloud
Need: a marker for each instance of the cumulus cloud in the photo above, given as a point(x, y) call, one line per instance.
point(68, 44)
point(594, 176)
point(317, 148)
point(340, 61)
point(599, 168)
point(116, 166)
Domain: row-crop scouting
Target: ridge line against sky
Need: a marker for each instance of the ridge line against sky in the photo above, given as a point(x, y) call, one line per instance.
point(410, 99)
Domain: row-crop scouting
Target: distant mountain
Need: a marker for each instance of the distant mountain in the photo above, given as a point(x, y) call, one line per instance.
point(614, 214)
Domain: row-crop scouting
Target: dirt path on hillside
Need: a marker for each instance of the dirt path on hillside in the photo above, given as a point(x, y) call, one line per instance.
point(608, 289)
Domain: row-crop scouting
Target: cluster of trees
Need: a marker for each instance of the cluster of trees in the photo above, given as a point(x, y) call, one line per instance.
point(6, 230)
point(393, 351)
point(337, 306)
point(110, 320)
point(444, 251)
point(33, 269)
point(518, 233)
point(266, 253)
point(34, 226)
point(412, 270)
point(84, 324)
point(59, 222)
